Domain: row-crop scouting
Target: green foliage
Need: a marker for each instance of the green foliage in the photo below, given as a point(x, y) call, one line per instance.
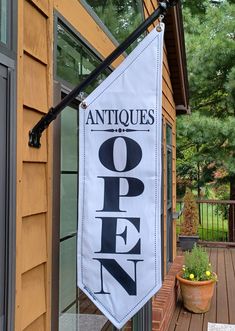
point(197, 266)
point(211, 57)
point(206, 140)
point(120, 17)
point(205, 149)
point(189, 226)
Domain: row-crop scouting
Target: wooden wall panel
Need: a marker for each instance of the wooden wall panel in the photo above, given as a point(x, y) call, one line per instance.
point(35, 32)
point(30, 117)
point(166, 77)
point(37, 325)
point(34, 199)
point(169, 116)
point(43, 5)
point(34, 244)
point(165, 61)
point(35, 84)
point(168, 111)
point(33, 295)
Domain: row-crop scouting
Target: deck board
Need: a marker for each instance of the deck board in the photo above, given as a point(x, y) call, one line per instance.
point(223, 302)
point(222, 295)
point(230, 277)
point(211, 314)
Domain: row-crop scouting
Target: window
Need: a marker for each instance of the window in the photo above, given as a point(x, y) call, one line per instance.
point(3, 21)
point(120, 17)
point(3, 193)
point(169, 192)
point(74, 311)
point(169, 164)
point(68, 217)
point(74, 60)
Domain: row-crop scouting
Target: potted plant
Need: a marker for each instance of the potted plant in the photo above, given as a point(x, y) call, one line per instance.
point(197, 280)
point(189, 226)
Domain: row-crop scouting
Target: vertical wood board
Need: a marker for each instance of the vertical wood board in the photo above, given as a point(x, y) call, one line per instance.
point(34, 245)
point(37, 325)
point(34, 199)
point(33, 295)
point(35, 32)
point(35, 84)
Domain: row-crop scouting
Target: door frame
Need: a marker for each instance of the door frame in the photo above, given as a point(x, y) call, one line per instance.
point(10, 233)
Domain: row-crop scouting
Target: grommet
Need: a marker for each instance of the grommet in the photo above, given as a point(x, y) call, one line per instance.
point(84, 105)
point(159, 27)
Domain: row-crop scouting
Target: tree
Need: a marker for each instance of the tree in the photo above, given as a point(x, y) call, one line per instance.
point(211, 58)
point(206, 148)
point(120, 17)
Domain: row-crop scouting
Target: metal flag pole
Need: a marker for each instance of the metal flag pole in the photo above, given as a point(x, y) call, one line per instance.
point(36, 132)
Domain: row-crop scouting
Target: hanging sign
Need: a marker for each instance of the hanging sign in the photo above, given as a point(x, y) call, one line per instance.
point(119, 241)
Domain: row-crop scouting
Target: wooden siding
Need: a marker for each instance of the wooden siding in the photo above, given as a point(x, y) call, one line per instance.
point(34, 166)
point(33, 223)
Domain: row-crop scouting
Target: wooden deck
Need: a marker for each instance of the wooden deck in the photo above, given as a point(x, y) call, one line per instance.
point(223, 302)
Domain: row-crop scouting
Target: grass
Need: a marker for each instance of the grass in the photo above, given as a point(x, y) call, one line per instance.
point(214, 224)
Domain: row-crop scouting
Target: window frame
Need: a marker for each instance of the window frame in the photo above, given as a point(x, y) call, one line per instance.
point(169, 204)
point(61, 87)
point(59, 19)
point(8, 59)
point(9, 48)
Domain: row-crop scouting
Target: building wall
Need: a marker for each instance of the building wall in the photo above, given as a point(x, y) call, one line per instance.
point(34, 166)
point(33, 222)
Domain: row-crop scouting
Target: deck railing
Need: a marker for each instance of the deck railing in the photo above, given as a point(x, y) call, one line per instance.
point(216, 219)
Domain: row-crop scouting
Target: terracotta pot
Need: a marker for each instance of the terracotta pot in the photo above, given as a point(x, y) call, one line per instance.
point(196, 295)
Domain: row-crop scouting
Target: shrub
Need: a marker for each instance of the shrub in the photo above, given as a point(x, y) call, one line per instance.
point(197, 265)
point(189, 225)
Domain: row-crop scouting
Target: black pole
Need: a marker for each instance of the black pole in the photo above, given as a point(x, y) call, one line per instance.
point(43, 123)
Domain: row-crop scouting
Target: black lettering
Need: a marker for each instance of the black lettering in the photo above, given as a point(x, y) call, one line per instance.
point(99, 117)
point(134, 154)
point(121, 276)
point(143, 113)
point(112, 192)
point(109, 235)
point(151, 116)
point(121, 117)
point(90, 117)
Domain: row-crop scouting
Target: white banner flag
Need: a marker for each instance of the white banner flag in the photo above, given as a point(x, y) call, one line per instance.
point(119, 237)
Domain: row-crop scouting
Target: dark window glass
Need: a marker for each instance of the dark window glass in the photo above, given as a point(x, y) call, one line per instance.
point(168, 135)
point(3, 21)
point(169, 193)
point(169, 164)
point(74, 63)
point(169, 177)
point(74, 60)
point(120, 17)
point(3, 189)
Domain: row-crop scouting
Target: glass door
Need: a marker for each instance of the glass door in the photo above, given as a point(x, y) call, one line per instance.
point(3, 192)
point(169, 194)
point(68, 296)
point(74, 310)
